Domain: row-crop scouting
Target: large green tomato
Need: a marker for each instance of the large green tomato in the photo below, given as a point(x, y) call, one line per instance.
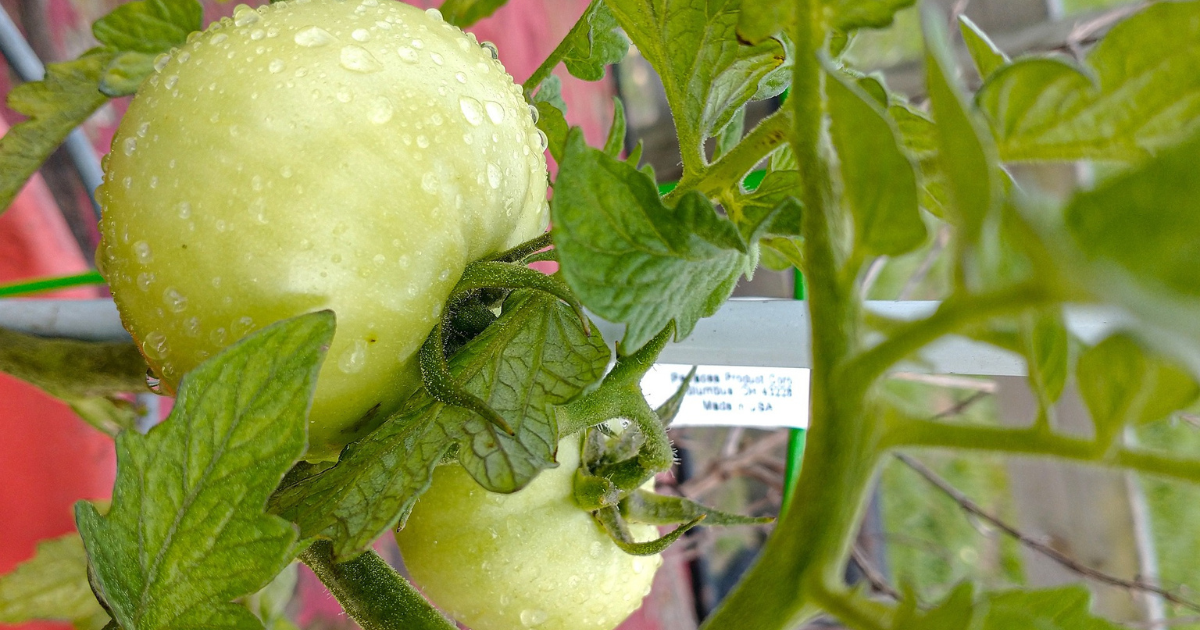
point(351, 155)
point(531, 559)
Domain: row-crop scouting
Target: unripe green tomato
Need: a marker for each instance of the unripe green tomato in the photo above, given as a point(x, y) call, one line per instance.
point(531, 559)
point(351, 155)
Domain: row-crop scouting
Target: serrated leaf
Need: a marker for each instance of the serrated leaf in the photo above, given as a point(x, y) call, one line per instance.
point(1064, 608)
point(643, 506)
point(956, 612)
point(535, 356)
point(633, 260)
point(149, 26)
point(850, 15)
point(879, 182)
point(463, 13)
point(186, 533)
point(615, 143)
point(593, 49)
point(919, 137)
point(52, 586)
point(966, 153)
point(550, 91)
point(54, 106)
point(1137, 94)
point(1121, 383)
point(987, 56)
point(706, 72)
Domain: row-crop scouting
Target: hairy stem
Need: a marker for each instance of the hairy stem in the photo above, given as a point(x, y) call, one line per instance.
point(728, 171)
point(583, 25)
point(372, 593)
point(808, 550)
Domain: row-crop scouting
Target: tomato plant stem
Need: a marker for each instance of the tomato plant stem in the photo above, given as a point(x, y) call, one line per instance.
point(582, 26)
point(728, 171)
point(372, 593)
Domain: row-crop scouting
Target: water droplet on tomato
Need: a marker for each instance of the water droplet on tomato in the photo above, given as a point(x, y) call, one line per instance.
point(418, 44)
point(534, 114)
point(191, 326)
point(142, 250)
point(354, 358)
point(171, 81)
point(242, 326)
point(358, 59)
point(313, 37)
point(495, 111)
point(161, 61)
point(361, 35)
point(155, 345)
point(344, 97)
point(218, 336)
point(532, 618)
point(437, 59)
point(218, 38)
point(434, 14)
point(244, 15)
point(493, 175)
point(407, 54)
point(275, 67)
point(175, 300)
point(153, 382)
point(423, 142)
point(129, 145)
point(257, 34)
point(380, 110)
point(490, 49)
point(471, 110)
point(429, 183)
point(144, 280)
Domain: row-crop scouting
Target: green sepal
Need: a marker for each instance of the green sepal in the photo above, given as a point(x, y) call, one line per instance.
point(614, 525)
point(644, 506)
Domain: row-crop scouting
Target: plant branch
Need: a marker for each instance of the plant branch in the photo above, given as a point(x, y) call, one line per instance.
point(873, 575)
point(729, 170)
point(584, 24)
point(855, 610)
point(1061, 558)
point(953, 315)
point(372, 593)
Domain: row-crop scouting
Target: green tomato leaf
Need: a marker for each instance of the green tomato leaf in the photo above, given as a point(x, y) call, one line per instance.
point(878, 180)
point(1122, 383)
point(956, 612)
point(850, 15)
point(550, 91)
point(534, 357)
point(1046, 346)
point(965, 152)
point(552, 123)
point(1138, 93)
point(769, 210)
point(52, 586)
point(919, 137)
point(593, 49)
point(149, 26)
point(186, 533)
point(1064, 608)
point(463, 13)
point(269, 604)
point(633, 260)
point(761, 19)
point(708, 75)
point(55, 106)
point(643, 506)
point(615, 143)
point(987, 56)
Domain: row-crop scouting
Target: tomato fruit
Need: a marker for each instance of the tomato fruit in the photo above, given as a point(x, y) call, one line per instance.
point(351, 155)
point(531, 559)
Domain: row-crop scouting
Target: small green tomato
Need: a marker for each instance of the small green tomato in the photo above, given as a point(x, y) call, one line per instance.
point(351, 155)
point(531, 559)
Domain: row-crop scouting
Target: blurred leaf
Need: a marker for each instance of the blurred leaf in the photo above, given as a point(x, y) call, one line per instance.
point(554, 125)
point(708, 75)
point(550, 91)
point(1046, 347)
point(1064, 608)
point(52, 586)
point(761, 19)
point(1138, 93)
point(535, 356)
point(987, 57)
point(463, 13)
point(956, 612)
point(644, 506)
point(633, 260)
point(186, 533)
point(592, 49)
point(139, 32)
point(919, 137)
point(615, 143)
point(965, 151)
point(769, 210)
point(879, 183)
point(270, 603)
point(849, 15)
point(1123, 384)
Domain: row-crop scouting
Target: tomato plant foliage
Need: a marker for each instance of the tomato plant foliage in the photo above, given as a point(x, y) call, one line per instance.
point(213, 504)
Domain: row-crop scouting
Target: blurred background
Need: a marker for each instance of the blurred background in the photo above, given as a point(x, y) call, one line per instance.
point(935, 520)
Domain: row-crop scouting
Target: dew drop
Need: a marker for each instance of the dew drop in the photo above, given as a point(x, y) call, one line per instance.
point(144, 280)
point(354, 358)
point(344, 96)
point(491, 49)
point(495, 111)
point(142, 250)
point(242, 326)
point(543, 141)
point(175, 300)
point(534, 114)
point(129, 146)
point(531, 618)
point(471, 110)
point(161, 61)
point(407, 54)
point(418, 44)
point(257, 34)
point(217, 336)
point(219, 38)
point(493, 175)
point(423, 142)
point(191, 326)
point(380, 110)
point(313, 36)
point(155, 345)
point(185, 209)
point(285, 171)
point(460, 77)
point(436, 58)
point(361, 35)
point(434, 14)
point(429, 183)
point(358, 59)
point(171, 81)
point(276, 66)
point(153, 383)
point(244, 15)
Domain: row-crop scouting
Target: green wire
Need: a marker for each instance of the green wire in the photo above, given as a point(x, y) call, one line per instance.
point(42, 285)
point(796, 437)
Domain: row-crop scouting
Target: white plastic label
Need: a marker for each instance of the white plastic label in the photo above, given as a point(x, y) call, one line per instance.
point(733, 396)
